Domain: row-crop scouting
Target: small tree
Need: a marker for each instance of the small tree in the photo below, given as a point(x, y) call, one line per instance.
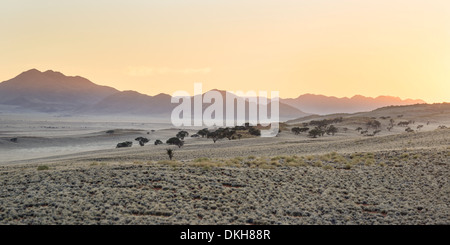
point(170, 153)
point(229, 133)
point(331, 130)
point(182, 134)
point(296, 130)
point(254, 131)
point(158, 142)
point(142, 141)
point(175, 141)
point(315, 132)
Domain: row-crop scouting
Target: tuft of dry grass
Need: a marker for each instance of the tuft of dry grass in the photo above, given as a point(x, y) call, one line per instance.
point(43, 167)
point(348, 166)
point(202, 159)
point(318, 163)
point(171, 163)
point(369, 162)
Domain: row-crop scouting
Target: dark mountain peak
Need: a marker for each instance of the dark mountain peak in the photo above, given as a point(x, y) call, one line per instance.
point(33, 70)
point(162, 96)
point(51, 91)
point(30, 73)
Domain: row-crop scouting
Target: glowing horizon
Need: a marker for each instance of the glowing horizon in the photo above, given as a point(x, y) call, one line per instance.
point(335, 48)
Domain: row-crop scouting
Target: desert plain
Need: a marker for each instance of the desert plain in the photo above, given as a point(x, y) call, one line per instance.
point(67, 171)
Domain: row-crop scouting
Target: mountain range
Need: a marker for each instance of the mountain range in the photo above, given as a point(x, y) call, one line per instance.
point(53, 92)
point(322, 105)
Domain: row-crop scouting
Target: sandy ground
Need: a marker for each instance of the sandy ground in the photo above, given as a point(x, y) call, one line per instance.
point(392, 178)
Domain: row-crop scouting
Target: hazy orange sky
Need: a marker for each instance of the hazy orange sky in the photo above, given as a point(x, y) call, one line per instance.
point(330, 47)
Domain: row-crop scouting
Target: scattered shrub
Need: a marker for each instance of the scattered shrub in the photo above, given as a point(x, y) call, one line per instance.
point(124, 144)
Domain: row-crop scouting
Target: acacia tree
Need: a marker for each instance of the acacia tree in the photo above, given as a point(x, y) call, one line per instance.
point(331, 130)
point(203, 132)
point(175, 141)
point(213, 135)
point(298, 130)
point(142, 141)
point(254, 131)
point(182, 134)
point(229, 134)
point(315, 132)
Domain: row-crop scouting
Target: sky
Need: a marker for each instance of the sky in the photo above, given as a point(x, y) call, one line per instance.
point(331, 47)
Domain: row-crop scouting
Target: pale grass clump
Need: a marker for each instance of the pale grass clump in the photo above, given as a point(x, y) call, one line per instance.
point(98, 163)
point(171, 163)
point(348, 166)
point(202, 159)
point(231, 163)
point(338, 159)
point(205, 165)
point(325, 158)
point(369, 162)
point(343, 162)
point(234, 162)
point(318, 163)
point(240, 159)
point(369, 155)
point(275, 163)
point(298, 162)
point(310, 157)
point(356, 160)
point(290, 159)
point(257, 163)
point(417, 156)
point(277, 158)
point(43, 167)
